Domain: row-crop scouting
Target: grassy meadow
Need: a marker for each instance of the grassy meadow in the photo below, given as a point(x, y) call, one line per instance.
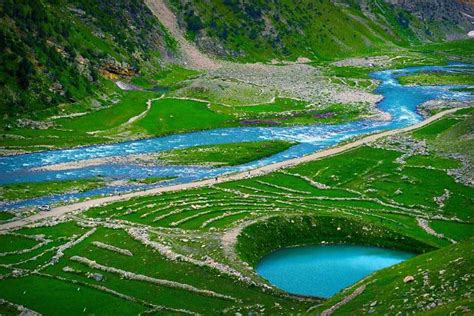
point(224, 154)
point(174, 252)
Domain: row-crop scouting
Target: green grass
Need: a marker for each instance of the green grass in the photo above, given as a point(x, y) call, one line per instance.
point(453, 139)
point(174, 75)
point(429, 161)
point(4, 216)
point(131, 104)
point(151, 180)
point(142, 82)
point(444, 51)
point(471, 90)
point(437, 278)
point(61, 231)
point(10, 243)
point(39, 293)
point(436, 78)
point(36, 140)
point(359, 204)
point(456, 231)
point(81, 130)
point(435, 128)
point(21, 191)
point(169, 116)
point(225, 154)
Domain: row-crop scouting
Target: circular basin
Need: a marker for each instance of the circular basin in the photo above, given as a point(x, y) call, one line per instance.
point(323, 271)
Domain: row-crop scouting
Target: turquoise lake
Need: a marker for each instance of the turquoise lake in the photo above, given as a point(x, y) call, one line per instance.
point(323, 271)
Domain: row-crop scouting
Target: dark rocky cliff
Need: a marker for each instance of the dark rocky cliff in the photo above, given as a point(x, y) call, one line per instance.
point(450, 19)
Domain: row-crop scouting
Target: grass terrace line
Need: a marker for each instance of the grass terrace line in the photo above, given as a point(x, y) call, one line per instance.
point(58, 211)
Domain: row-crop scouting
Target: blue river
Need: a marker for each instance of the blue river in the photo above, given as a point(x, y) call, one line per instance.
point(399, 101)
point(323, 271)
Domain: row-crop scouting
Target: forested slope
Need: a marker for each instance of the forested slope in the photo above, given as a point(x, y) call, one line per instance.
point(58, 51)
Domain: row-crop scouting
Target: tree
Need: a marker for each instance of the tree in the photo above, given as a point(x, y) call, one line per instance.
point(24, 72)
point(194, 23)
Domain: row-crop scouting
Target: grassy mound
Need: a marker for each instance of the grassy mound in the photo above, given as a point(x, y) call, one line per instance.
point(437, 78)
point(21, 191)
point(225, 154)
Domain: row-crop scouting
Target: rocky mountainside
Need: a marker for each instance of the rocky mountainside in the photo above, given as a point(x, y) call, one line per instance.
point(444, 19)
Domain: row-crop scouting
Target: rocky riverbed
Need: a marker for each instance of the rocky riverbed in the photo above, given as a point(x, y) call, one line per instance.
point(298, 81)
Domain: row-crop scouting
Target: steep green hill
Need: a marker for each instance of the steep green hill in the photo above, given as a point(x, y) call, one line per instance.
point(55, 51)
point(256, 30)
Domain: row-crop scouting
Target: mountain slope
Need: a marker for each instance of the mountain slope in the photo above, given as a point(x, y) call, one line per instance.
point(438, 19)
point(60, 52)
point(54, 51)
point(262, 30)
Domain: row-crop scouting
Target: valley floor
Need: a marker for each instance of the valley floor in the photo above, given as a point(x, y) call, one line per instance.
point(180, 100)
point(185, 251)
point(159, 220)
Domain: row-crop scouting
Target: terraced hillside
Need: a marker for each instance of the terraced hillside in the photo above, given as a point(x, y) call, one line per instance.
point(193, 251)
point(121, 228)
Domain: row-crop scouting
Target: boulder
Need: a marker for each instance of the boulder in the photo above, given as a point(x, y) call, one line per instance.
point(98, 277)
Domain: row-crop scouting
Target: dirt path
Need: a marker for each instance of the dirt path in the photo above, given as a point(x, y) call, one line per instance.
point(130, 120)
point(61, 210)
point(229, 238)
point(144, 113)
point(425, 225)
point(347, 299)
point(192, 57)
point(141, 115)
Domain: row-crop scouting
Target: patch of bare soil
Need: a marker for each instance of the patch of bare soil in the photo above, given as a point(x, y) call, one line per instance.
point(191, 56)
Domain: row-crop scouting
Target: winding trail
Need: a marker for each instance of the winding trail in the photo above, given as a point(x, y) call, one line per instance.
point(143, 114)
point(347, 299)
point(61, 210)
point(425, 225)
point(229, 238)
